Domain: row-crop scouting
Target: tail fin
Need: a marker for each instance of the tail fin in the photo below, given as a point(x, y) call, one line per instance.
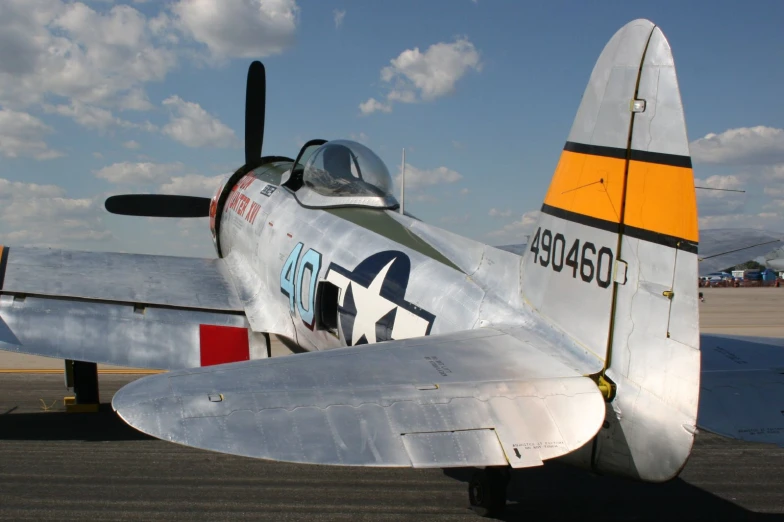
point(613, 260)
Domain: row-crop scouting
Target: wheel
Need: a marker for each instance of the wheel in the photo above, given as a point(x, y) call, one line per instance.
point(487, 491)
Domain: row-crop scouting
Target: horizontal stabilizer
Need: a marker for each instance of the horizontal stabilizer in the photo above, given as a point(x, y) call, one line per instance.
point(742, 391)
point(474, 398)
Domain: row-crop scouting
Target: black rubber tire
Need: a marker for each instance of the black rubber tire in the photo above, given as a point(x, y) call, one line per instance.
point(487, 491)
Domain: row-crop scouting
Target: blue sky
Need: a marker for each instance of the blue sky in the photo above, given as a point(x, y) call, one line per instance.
point(102, 97)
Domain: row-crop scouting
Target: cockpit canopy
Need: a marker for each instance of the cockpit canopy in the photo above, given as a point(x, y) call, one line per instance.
point(346, 173)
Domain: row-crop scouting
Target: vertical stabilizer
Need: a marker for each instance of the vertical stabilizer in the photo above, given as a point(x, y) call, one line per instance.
point(613, 259)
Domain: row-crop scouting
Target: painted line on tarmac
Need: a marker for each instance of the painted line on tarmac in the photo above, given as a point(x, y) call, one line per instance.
point(106, 371)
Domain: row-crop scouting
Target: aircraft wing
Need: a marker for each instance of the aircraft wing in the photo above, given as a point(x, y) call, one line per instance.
point(474, 398)
point(125, 309)
point(742, 389)
point(740, 245)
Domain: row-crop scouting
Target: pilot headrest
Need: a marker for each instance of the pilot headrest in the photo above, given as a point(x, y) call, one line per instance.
point(337, 160)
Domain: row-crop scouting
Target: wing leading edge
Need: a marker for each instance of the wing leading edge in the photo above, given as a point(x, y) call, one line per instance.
point(474, 398)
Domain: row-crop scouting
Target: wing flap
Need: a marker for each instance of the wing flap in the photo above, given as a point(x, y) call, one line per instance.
point(439, 449)
point(380, 405)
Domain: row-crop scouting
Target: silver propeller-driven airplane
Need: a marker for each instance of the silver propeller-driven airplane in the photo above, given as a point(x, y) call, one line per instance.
point(428, 349)
point(721, 248)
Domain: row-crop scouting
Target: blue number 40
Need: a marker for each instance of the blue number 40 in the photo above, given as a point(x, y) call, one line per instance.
point(291, 279)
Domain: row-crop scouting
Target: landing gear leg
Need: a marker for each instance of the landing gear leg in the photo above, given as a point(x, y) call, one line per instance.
point(487, 490)
point(83, 378)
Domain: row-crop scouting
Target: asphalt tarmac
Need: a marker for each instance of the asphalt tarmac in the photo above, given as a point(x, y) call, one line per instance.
point(743, 311)
point(59, 466)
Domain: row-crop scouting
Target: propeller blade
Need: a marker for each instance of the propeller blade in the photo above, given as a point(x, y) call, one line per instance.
point(255, 107)
point(158, 205)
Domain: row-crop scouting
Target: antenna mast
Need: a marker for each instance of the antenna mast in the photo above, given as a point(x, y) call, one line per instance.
point(403, 184)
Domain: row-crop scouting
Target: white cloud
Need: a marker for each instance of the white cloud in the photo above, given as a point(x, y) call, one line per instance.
point(21, 135)
point(435, 72)
point(775, 192)
point(70, 50)
point(192, 126)
point(516, 231)
point(760, 220)
point(87, 116)
point(135, 100)
point(774, 172)
point(239, 28)
point(416, 76)
point(131, 145)
point(494, 212)
point(361, 137)
point(94, 117)
point(138, 173)
point(417, 178)
point(339, 15)
point(100, 60)
point(41, 215)
point(464, 191)
point(373, 105)
point(86, 62)
point(18, 189)
point(742, 146)
point(192, 185)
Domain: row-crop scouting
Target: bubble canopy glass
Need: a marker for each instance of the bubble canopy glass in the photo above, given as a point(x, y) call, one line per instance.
point(346, 173)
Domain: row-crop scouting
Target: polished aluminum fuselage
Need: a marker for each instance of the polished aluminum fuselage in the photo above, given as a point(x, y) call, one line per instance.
point(464, 284)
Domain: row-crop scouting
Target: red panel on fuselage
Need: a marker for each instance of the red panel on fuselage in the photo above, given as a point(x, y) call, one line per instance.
point(223, 344)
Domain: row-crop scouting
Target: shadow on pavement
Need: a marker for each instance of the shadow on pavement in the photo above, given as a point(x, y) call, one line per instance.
point(102, 426)
point(560, 492)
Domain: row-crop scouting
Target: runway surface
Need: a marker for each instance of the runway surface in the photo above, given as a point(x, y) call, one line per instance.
point(743, 311)
point(58, 466)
